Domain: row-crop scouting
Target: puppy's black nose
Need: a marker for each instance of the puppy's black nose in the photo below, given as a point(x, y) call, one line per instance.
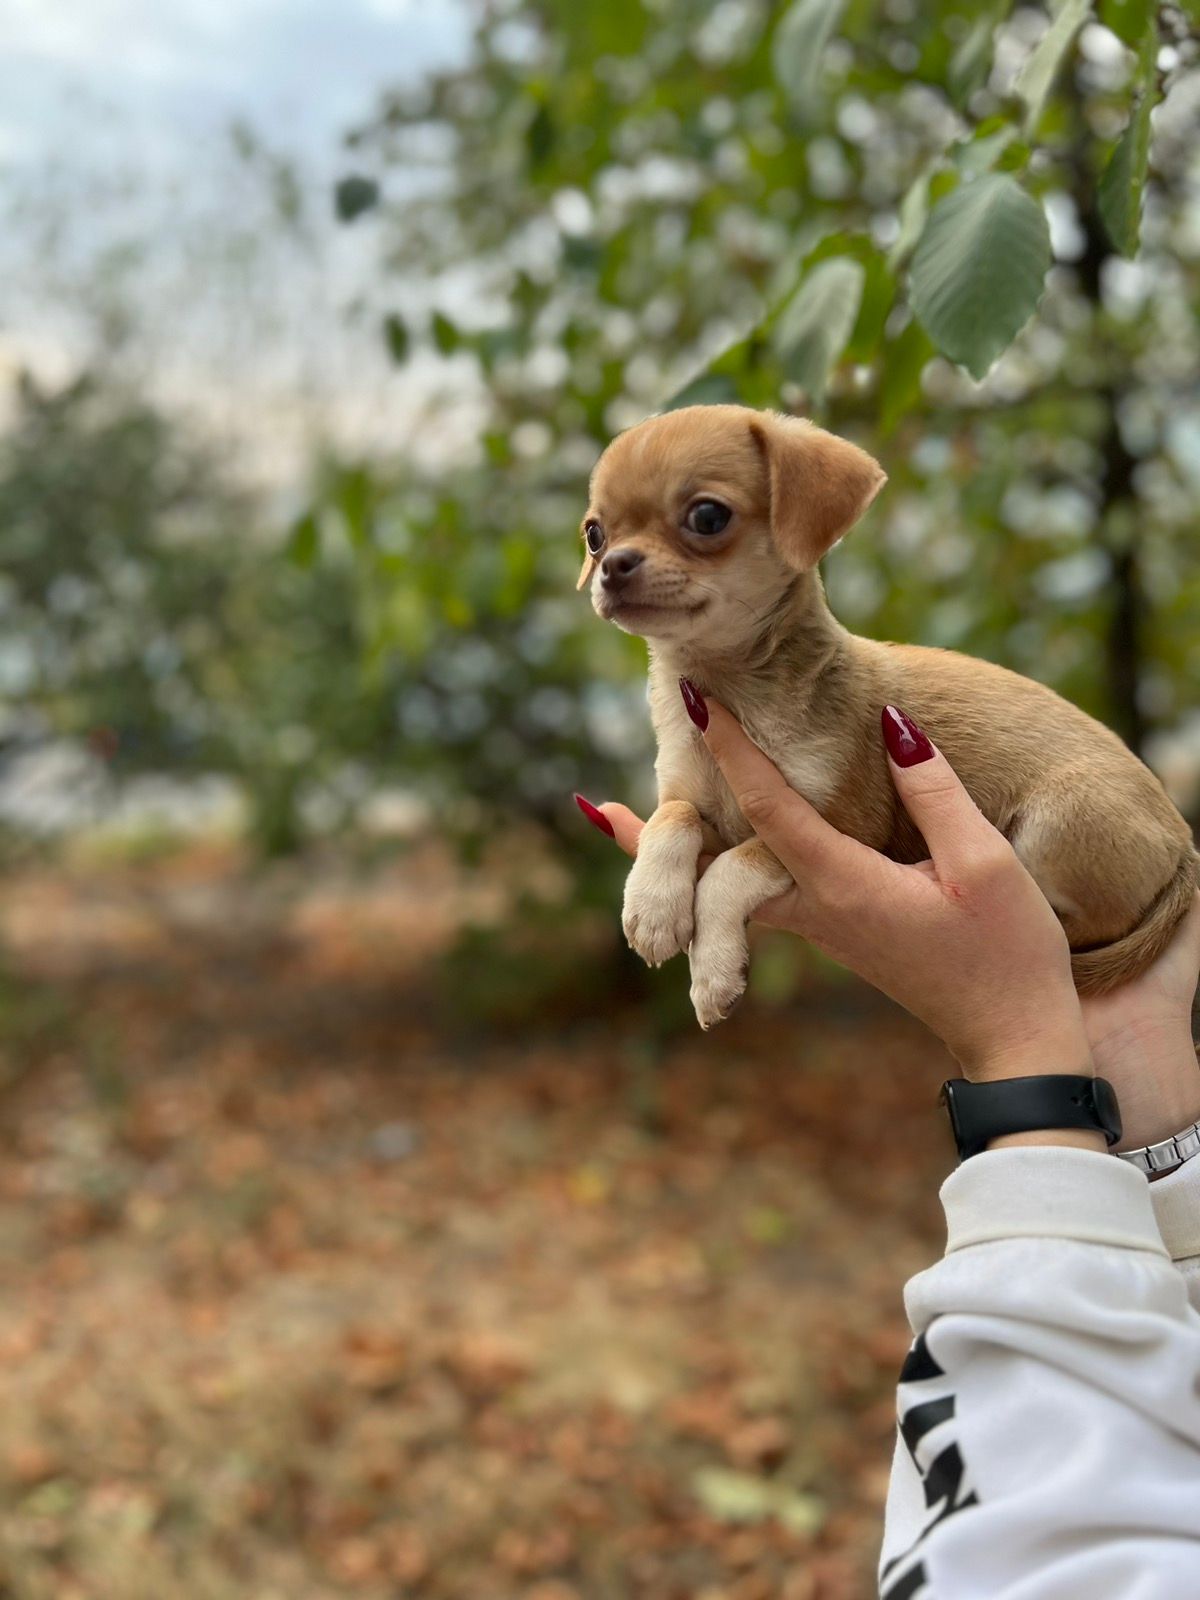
point(618, 566)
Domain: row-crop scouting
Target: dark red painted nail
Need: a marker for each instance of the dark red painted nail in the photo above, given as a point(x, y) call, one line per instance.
point(693, 701)
point(907, 745)
point(595, 816)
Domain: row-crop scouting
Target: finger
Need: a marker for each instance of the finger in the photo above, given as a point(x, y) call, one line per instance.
point(627, 829)
point(626, 825)
point(784, 911)
point(961, 840)
point(797, 833)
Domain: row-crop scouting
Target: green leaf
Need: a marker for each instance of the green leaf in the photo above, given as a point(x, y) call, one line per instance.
point(814, 326)
point(354, 195)
point(878, 297)
point(540, 137)
point(1122, 184)
point(987, 146)
point(457, 610)
point(878, 291)
point(354, 500)
point(733, 375)
point(914, 210)
point(498, 447)
point(972, 59)
point(904, 360)
point(978, 271)
point(445, 334)
point(798, 47)
point(581, 255)
point(395, 332)
point(942, 181)
point(304, 542)
point(1037, 76)
point(1014, 157)
point(1128, 19)
point(709, 389)
point(492, 345)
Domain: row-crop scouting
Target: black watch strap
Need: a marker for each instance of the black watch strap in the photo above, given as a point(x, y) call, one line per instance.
point(981, 1112)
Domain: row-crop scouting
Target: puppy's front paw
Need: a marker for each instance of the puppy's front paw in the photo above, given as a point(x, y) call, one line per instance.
point(657, 916)
point(719, 955)
point(716, 989)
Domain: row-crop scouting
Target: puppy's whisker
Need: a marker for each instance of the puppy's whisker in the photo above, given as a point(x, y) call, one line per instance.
point(717, 594)
point(765, 628)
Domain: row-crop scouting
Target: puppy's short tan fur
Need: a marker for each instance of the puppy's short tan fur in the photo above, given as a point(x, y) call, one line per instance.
point(742, 613)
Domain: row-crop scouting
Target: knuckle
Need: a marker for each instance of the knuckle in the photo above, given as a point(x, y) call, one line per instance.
point(994, 862)
point(939, 787)
point(758, 806)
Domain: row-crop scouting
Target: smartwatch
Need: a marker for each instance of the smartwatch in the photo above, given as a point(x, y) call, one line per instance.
point(981, 1112)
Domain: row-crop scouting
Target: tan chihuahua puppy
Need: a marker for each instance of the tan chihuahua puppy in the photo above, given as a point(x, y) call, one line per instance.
point(703, 534)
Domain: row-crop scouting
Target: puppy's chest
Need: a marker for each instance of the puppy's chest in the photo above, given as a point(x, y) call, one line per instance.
point(687, 771)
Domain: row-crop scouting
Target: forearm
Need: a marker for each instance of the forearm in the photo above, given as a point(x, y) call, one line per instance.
point(1050, 1428)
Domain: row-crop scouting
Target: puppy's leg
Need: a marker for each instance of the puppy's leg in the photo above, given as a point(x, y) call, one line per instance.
point(1061, 849)
point(660, 889)
point(728, 894)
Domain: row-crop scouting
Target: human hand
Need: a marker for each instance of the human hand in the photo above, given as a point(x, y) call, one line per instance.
point(1141, 1038)
point(965, 941)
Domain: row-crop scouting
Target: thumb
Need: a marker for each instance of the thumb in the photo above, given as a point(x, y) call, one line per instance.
point(957, 833)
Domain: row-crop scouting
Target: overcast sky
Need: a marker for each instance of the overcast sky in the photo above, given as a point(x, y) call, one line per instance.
point(179, 70)
point(90, 89)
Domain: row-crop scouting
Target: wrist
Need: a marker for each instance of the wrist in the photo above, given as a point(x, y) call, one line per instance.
point(1065, 1138)
point(1063, 1048)
point(1157, 1080)
point(1068, 1109)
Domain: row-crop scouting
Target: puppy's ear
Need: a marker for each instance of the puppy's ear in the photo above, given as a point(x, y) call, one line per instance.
point(585, 572)
point(819, 484)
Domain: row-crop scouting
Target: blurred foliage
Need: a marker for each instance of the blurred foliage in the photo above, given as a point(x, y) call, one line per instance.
point(966, 235)
point(610, 209)
point(144, 614)
point(34, 1019)
point(850, 208)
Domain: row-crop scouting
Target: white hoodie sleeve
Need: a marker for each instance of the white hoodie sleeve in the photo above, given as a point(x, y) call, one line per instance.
point(1176, 1202)
point(1049, 1410)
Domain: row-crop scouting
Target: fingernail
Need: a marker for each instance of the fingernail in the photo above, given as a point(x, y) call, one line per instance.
point(693, 701)
point(595, 816)
point(907, 745)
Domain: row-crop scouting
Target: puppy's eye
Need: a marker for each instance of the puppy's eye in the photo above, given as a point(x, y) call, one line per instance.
point(708, 517)
point(593, 535)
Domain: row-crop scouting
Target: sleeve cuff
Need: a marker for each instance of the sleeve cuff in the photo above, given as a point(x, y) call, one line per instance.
point(1040, 1192)
point(1176, 1202)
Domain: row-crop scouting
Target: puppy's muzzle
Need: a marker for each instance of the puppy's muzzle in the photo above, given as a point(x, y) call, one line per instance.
point(618, 567)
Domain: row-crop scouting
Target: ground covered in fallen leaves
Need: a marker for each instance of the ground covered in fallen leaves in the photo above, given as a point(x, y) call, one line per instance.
point(306, 1294)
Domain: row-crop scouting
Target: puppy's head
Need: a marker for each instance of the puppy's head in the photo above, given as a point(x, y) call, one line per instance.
point(699, 519)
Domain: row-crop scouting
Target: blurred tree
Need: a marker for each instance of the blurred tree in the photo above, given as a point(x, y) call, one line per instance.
point(609, 209)
point(144, 612)
point(965, 234)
